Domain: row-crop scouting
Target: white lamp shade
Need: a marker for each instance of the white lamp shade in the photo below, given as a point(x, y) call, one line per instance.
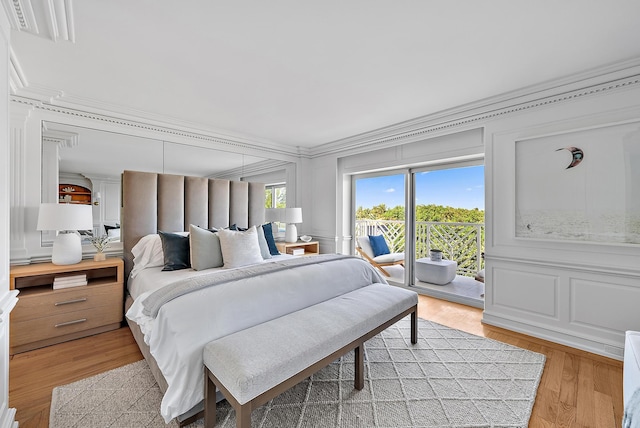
point(293, 215)
point(54, 216)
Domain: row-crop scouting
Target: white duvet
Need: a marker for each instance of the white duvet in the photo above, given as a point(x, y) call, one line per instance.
point(183, 326)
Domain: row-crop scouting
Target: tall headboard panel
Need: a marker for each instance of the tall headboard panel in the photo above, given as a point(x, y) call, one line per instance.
point(167, 202)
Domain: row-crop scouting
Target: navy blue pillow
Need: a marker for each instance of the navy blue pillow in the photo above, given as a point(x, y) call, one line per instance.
point(378, 245)
point(271, 243)
point(176, 251)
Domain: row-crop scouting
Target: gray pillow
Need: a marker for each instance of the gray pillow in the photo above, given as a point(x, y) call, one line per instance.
point(240, 248)
point(205, 248)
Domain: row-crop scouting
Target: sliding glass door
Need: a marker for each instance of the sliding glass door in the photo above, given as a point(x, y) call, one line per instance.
point(439, 207)
point(380, 211)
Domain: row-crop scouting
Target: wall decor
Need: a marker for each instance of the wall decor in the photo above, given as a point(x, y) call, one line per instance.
point(581, 185)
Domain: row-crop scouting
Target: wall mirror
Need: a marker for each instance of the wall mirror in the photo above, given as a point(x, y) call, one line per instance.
point(84, 165)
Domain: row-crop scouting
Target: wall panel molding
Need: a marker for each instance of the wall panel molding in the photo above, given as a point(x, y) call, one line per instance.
point(531, 293)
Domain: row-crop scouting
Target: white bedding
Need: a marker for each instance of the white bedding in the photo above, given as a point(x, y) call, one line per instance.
point(183, 326)
point(153, 278)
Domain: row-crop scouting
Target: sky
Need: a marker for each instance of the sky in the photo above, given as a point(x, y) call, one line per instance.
point(457, 187)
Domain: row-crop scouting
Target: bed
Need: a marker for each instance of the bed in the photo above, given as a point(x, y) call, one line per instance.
point(174, 314)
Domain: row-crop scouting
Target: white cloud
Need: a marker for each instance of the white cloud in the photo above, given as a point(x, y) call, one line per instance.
point(390, 190)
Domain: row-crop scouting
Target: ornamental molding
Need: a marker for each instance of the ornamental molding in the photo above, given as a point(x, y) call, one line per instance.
point(616, 77)
point(606, 79)
point(63, 139)
point(227, 143)
point(52, 19)
point(21, 16)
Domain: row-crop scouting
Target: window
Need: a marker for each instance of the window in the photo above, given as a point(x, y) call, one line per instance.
point(276, 196)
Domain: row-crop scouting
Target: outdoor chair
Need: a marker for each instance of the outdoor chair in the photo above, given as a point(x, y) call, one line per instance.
point(364, 247)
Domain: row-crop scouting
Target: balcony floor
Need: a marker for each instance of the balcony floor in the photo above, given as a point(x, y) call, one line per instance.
point(462, 289)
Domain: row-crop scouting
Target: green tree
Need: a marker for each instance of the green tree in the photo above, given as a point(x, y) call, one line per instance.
point(429, 212)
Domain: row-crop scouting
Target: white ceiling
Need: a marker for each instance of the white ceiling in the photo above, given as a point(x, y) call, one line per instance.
point(304, 73)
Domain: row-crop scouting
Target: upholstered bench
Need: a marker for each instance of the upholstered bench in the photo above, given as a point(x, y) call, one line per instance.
point(253, 366)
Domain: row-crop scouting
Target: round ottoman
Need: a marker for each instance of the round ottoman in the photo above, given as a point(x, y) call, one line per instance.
point(439, 273)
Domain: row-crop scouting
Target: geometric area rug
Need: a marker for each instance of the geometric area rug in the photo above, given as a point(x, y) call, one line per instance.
point(450, 378)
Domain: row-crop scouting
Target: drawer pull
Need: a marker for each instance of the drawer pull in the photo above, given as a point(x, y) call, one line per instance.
point(68, 302)
point(62, 324)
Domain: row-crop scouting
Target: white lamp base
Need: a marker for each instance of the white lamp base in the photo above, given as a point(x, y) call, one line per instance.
point(291, 233)
point(67, 249)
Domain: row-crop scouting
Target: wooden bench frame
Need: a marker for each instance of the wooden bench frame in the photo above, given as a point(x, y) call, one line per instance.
point(243, 411)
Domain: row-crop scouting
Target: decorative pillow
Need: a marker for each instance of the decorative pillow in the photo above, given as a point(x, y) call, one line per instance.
point(378, 245)
point(204, 248)
point(107, 228)
point(147, 253)
point(175, 248)
point(262, 241)
point(271, 242)
point(240, 248)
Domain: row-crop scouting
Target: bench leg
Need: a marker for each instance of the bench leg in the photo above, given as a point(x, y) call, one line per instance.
point(359, 367)
point(414, 327)
point(209, 401)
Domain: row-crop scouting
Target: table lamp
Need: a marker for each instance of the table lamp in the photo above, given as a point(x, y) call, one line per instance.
point(292, 216)
point(67, 219)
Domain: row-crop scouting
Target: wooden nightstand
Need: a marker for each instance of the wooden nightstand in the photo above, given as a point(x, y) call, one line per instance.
point(310, 248)
point(44, 316)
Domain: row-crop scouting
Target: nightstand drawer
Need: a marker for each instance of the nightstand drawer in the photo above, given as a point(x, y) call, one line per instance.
point(56, 302)
point(63, 324)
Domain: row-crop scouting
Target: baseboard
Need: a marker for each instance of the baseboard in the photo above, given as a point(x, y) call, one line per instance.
point(8, 418)
point(608, 350)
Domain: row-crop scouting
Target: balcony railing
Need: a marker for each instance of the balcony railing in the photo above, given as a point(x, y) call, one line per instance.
point(462, 242)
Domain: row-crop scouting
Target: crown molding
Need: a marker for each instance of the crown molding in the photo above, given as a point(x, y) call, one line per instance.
point(21, 16)
point(52, 19)
point(108, 109)
point(59, 16)
point(166, 128)
point(596, 81)
point(63, 139)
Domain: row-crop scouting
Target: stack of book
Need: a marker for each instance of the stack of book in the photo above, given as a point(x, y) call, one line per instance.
point(68, 281)
point(297, 251)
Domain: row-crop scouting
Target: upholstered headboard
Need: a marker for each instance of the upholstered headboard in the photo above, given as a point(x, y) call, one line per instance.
point(153, 202)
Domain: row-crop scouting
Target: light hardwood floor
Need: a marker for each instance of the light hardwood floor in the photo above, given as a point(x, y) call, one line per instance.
point(577, 389)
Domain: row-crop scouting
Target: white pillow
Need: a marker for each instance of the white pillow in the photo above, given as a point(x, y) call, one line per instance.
point(205, 251)
point(240, 248)
point(147, 253)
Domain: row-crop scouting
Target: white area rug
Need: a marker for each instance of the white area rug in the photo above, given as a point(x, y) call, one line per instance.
point(449, 379)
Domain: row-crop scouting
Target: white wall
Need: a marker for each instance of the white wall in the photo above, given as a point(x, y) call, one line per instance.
point(7, 297)
point(580, 294)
